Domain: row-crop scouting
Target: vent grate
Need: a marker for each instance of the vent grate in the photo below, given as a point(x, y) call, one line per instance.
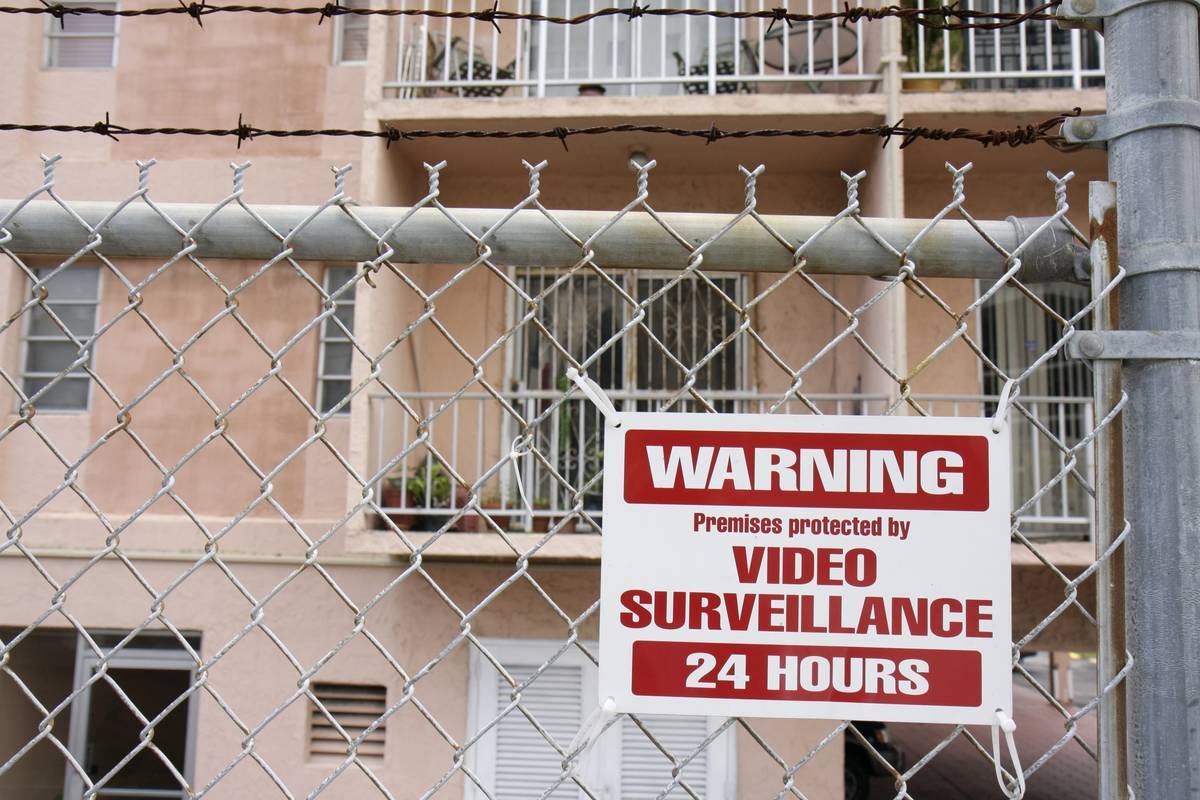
point(355, 708)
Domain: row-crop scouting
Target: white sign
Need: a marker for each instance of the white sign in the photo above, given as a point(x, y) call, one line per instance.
point(806, 566)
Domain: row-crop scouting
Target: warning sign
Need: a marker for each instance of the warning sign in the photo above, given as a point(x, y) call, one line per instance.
point(806, 566)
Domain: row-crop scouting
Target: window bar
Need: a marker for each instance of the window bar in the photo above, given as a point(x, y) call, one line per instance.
point(1036, 454)
point(833, 29)
point(635, 54)
point(591, 44)
point(470, 77)
point(762, 40)
point(787, 33)
point(426, 407)
point(920, 40)
point(448, 50)
point(424, 42)
point(1064, 484)
point(1047, 31)
point(404, 462)
point(946, 68)
point(1076, 60)
point(541, 65)
point(662, 46)
point(454, 425)
point(566, 36)
point(712, 49)
point(997, 63)
point(615, 50)
point(971, 42)
point(811, 41)
point(1021, 31)
point(495, 54)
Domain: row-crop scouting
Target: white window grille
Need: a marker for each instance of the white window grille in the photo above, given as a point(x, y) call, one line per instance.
point(55, 333)
point(513, 760)
point(333, 371)
point(82, 41)
point(355, 708)
point(153, 672)
point(350, 35)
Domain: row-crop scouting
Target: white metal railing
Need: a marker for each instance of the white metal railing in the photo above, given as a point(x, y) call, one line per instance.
point(646, 56)
point(470, 431)
point(1035, 54)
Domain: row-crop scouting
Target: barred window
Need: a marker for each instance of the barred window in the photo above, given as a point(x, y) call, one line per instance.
point(333, 372)
point(350, 35)
point(83, 41)
point(513, 760)
point(56, 332)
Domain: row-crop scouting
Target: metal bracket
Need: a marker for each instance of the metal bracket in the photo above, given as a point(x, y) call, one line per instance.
point(1135, 345)
point(1100, 129)
point(1091, 13)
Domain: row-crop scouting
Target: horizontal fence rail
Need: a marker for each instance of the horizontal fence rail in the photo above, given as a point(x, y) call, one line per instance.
point(635, 240)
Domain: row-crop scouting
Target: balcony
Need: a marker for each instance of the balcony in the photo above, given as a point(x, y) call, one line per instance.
point(474, 435)
point(684, 55)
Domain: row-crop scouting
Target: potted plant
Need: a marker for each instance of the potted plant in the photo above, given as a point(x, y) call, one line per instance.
point(490, 504)
point(541, 524)
point(429, 481)
point(392, 496)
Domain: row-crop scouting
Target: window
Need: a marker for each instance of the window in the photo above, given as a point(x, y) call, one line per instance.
point(333, 373)
point(72, 300)
point(86, 41)
point(1016, 331)
point(515, 761)
point(687, 319)
point(350, 35)
point(354, 708)
point(153, 672)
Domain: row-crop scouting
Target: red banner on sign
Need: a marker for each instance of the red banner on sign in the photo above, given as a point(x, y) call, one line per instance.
point(811, 674)
point(825, 470)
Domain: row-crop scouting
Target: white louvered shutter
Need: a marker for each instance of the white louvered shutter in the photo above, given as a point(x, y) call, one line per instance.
point(526, 764)
point(645, 771)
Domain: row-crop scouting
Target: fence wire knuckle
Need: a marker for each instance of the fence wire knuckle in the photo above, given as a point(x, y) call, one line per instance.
point(421, 461)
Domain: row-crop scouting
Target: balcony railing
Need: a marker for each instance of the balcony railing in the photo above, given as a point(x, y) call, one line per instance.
point(646, 56)
point(674, 55)
point(1033, 55)
point(472, 432)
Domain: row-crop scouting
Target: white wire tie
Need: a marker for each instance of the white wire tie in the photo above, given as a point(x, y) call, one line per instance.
point(1008, 395)
point(1005, 722)
point(515, 454)
point(594, 393)
point(589, 732)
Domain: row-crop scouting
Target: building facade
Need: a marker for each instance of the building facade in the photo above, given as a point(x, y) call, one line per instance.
point(225, 554)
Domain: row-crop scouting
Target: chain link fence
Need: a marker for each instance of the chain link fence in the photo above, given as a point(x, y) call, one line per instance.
point(300, 502)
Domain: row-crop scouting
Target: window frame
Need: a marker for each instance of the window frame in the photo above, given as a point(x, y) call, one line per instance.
point(129, 657)
point(339, 44)
point(27, 338)
point(323, 339)
point(54, 30)
point(601, 768)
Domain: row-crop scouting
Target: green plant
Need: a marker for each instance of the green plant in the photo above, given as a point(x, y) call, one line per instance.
point(936, 57)
point(430, 477)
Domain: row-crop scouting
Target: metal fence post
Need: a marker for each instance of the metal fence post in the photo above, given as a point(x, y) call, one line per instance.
point(1152, 58)
point(1110, 504)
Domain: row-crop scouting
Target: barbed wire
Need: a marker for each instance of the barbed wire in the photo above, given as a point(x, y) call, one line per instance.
point(939, 18)
point(908, 134)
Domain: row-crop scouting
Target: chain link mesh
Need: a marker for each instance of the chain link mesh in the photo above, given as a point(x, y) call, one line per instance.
point(210, 498)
